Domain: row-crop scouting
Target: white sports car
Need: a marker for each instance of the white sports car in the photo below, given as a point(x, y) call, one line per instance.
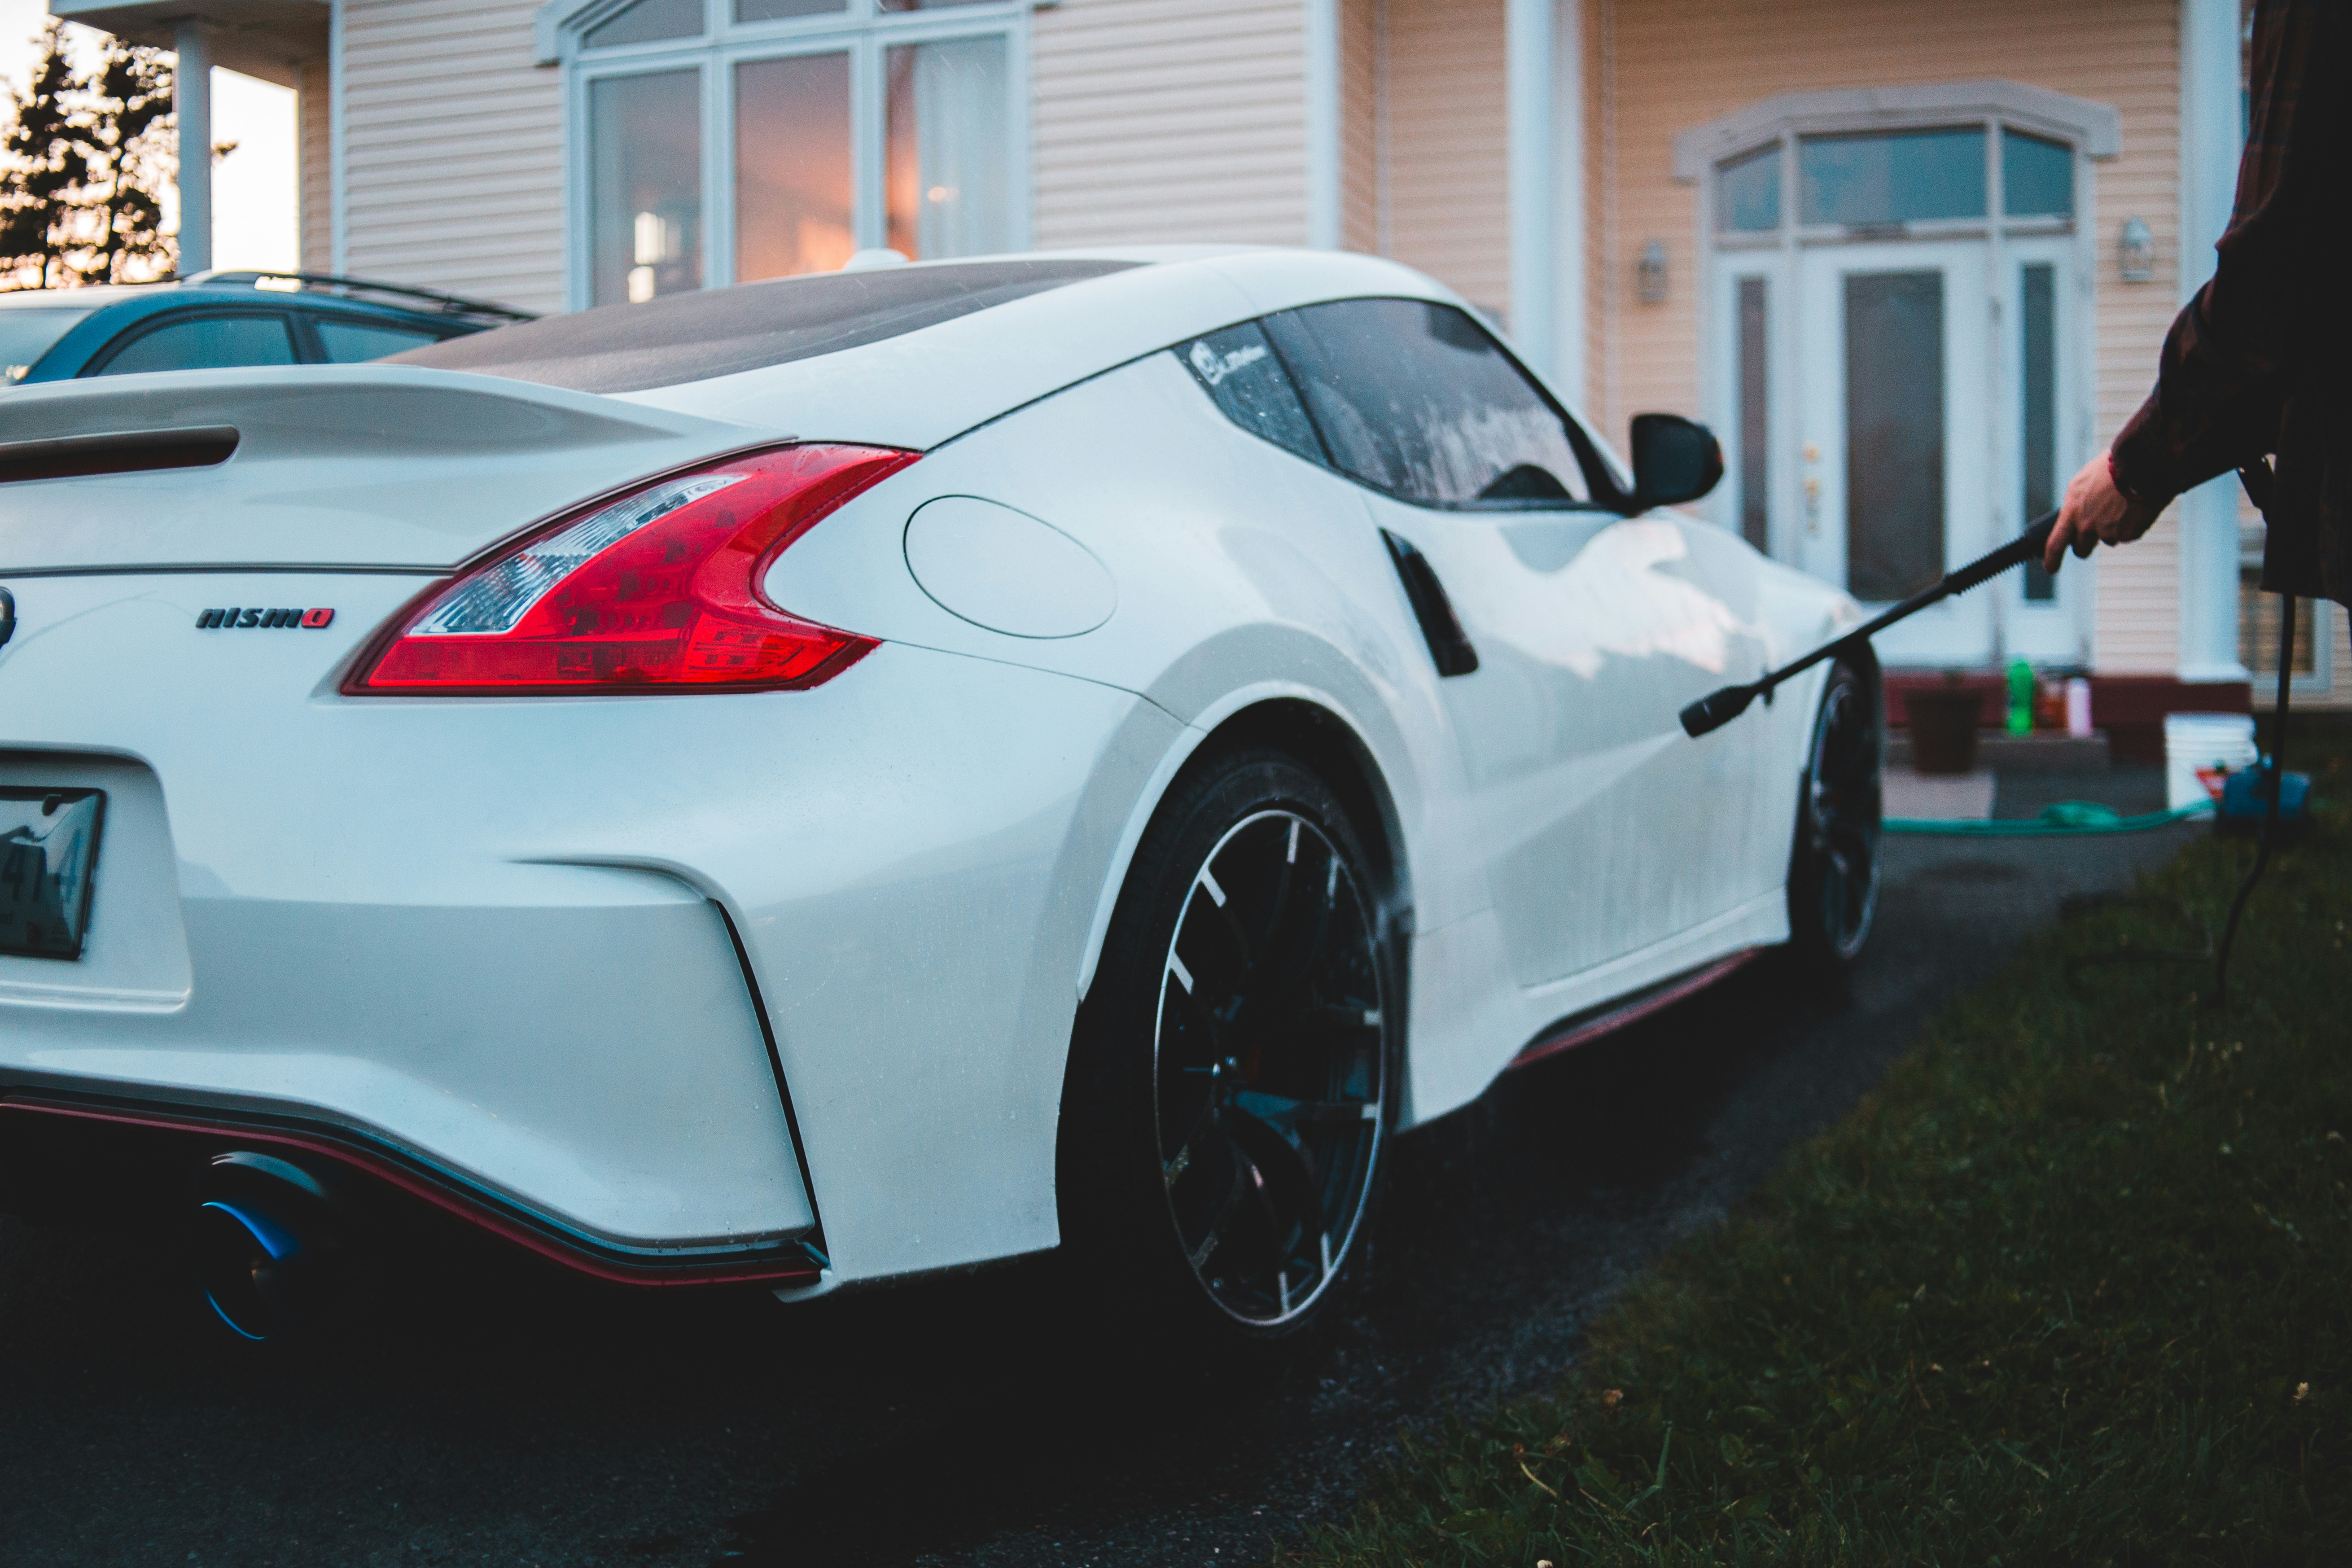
point(832, 779)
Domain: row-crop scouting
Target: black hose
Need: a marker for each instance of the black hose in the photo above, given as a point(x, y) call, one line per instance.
point(2275, 780)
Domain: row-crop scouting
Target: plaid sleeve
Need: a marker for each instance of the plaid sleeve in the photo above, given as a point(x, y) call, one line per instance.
point(2232, 354)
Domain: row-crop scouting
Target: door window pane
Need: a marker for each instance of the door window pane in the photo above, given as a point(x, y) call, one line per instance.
point(1239, 371)
point(645, 185)
point(1895, 433)
point(1417, 399)
point(778, 10)
point(948, 183)
point(1755, 421)
point(2037, 177)
point(1748, 192)
point(792, 187)
point(646, 22)
point(352, 342)
point(1914, 176)
point(208, 343)
point(2040, 402)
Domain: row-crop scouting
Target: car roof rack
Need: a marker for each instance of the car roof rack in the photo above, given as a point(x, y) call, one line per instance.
point(365, 288)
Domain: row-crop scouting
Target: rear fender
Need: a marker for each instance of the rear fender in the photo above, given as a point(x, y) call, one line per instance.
point(1218, 722)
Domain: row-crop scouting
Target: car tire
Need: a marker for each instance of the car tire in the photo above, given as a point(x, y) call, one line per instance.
point(1234, 1075)
point(1833, 869)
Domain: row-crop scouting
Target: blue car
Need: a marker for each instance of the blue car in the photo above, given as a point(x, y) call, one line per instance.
point(216, 321)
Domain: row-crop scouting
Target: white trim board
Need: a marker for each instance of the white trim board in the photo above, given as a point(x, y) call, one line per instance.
point(557, 19)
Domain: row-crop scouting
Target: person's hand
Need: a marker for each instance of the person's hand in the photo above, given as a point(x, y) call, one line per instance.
point(2095, 511)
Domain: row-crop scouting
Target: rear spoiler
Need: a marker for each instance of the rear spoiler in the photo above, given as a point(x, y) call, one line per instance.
point(336, 467)
point(374, 410)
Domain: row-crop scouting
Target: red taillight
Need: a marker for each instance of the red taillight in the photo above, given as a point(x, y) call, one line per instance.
point(660, 591)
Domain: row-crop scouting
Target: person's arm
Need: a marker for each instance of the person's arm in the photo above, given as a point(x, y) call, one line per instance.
point(2227, 358)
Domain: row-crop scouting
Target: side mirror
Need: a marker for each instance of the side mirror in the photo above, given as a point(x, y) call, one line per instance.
point(1675, 460)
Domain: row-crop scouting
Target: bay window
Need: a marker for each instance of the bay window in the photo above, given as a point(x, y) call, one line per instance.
point(717, 142)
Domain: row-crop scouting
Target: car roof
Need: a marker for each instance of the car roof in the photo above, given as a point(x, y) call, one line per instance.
point(1043, 321)
point(710, 332)
point(928, 385)
point(305, 291)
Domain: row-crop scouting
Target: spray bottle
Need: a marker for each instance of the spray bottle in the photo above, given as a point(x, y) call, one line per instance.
point(2021, 697)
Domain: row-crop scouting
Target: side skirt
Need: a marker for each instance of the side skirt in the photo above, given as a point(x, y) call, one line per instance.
point(1578, 1028)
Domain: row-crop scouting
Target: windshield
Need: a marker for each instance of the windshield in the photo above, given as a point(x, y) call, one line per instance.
point(27, 332)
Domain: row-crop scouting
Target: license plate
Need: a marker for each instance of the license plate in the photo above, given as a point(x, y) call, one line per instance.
point(48, 843)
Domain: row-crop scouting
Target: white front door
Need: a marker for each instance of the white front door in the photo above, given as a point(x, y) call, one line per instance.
point(1892, 481)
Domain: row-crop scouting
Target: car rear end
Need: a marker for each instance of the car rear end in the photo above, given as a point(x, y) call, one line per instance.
point(472, 947)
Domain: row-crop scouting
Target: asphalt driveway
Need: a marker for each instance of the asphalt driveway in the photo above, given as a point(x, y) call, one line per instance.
point(472, 1416)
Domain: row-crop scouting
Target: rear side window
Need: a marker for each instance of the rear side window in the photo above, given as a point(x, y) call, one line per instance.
point(353, 342)
point(1417, 399)
point(206, 342)
point(1238, 369)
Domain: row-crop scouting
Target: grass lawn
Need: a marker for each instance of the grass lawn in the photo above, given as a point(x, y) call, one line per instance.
point(2073, 1287)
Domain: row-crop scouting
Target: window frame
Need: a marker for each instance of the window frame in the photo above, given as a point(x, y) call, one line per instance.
point(2253, 537)
point(862, 30)
point(1792, 230)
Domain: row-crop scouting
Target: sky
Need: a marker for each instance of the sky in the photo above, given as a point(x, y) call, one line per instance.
point(254, 188)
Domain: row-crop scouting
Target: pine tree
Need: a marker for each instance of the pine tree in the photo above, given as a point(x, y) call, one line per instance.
point(47, 166)
point(128, 159)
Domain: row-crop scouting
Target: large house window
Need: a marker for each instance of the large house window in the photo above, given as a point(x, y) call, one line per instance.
point(719, 142)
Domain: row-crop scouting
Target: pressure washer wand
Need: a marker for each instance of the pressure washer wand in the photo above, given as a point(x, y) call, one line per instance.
point(1714, 711)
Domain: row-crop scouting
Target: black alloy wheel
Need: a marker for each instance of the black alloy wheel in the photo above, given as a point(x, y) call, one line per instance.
point(1232, 1085)
point(1834, 881)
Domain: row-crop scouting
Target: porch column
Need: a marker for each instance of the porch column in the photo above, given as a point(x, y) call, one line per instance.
point(1567, 362)
point(2211, 138)
point(1323, 192)
point(1544, 78)
point(191, 102)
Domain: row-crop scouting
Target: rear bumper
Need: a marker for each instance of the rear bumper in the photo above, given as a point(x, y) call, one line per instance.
point(580, 1042)
point(65, 1116)
point(660, 984)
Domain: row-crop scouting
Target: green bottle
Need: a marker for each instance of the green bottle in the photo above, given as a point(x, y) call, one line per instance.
point(2021, 697)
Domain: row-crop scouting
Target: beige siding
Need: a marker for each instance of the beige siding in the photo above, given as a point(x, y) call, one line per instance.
point(1669, 64)
point(1599, 192)
point(2138, 626)
point(454, 150)
point(1360, 106)
point(315, 183)
point(1449, 145)
point(1169, 121)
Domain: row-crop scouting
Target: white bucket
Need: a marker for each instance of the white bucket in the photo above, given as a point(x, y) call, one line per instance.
point(2199, 749)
